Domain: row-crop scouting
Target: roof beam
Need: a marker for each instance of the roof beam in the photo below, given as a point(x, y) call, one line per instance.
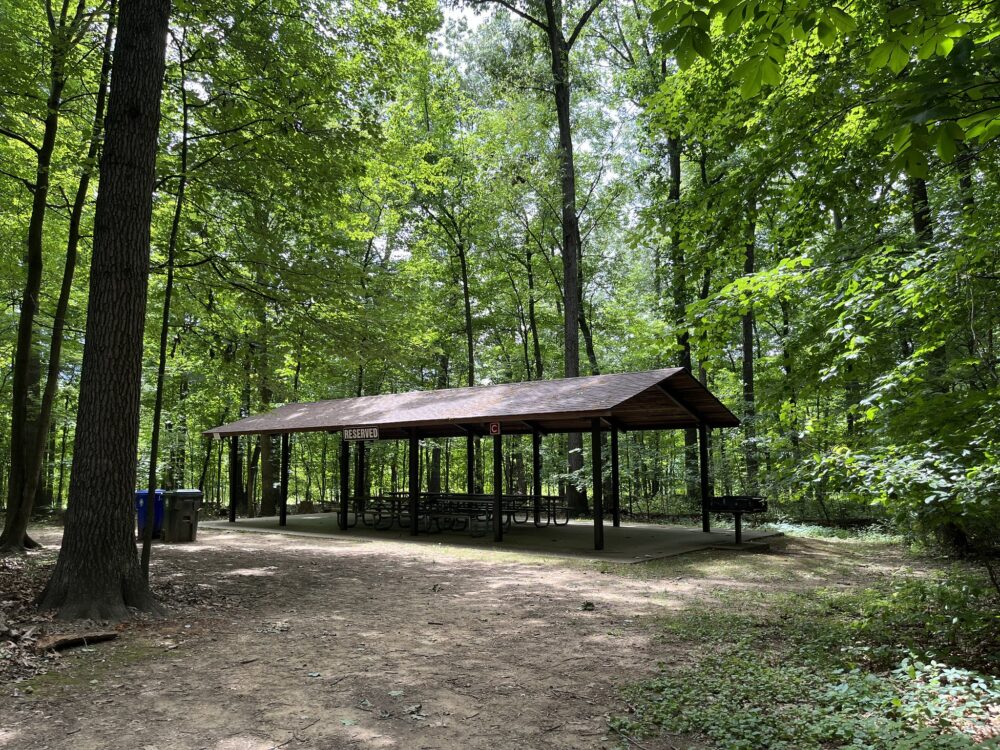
point(617, 424)
point(534, 426)
point(678, 404)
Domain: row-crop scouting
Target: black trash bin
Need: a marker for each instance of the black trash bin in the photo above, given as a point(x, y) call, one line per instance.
point(180, 523)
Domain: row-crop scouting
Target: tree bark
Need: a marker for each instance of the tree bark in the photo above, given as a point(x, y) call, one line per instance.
point(679, 293)
point(161, 366)
point(25, 464)
point(26, 458)
point(749, 405)
point(532, 318)
point(921, 210)
point(97, 575)
point(559, 60)
point(434, 471)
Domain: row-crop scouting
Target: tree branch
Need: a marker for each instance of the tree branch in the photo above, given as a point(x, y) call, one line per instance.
point(526, 16)
point(582, 22)
point(18, 137)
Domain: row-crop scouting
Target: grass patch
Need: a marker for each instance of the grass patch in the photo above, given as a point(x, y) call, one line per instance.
point(874, 533)
point(908, 663)
point(80, 666)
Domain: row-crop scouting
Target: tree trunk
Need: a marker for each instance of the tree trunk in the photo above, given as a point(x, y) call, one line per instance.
point(26, 446)
point(15, 537)
point(161, 366)
point(679, 293)
point(236, 497)
point(434, 472)
point(921, 210)
point(749, 406)
point(532, 318)
point(559, 60)
point(97, 575)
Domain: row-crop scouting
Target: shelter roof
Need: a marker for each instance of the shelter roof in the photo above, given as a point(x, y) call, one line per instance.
point(655, 399)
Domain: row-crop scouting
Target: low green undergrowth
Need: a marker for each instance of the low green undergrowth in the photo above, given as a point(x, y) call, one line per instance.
point(873, 533)
point(905, 664)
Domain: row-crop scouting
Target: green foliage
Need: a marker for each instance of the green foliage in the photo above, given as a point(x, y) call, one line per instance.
point(946, 48)
point(833, 669)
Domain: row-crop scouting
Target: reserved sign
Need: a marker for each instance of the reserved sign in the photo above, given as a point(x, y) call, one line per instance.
point(361, 433)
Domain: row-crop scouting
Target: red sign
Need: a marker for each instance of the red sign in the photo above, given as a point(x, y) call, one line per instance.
point(494, 428)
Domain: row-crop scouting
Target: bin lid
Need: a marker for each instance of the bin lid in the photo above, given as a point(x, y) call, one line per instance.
point(144, 493)
point(184, 493)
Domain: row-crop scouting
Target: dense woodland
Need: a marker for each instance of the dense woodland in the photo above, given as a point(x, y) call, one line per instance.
point(797, 202)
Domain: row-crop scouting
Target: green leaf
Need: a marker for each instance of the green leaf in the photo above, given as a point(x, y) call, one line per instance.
point(770, 72)
point(899, 16)
point(826, 33)
point(685, 52)
point(927, 48)
point(946, 146)
point(880, 56)
point(901, 141)
point(702, 43)
point(752, 78)
point(899, 58)
point(843, 21)
point(915, 162)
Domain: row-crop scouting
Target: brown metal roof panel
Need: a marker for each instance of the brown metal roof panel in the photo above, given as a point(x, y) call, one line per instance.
point(563, 401)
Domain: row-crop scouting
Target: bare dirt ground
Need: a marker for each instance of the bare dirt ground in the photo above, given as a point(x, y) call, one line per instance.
point(292, 642)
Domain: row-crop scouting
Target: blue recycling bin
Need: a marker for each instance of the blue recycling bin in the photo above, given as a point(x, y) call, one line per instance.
point(140, 510)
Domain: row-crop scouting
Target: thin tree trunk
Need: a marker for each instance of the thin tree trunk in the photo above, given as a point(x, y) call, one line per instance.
point(25, 452)
point(559, 62)
point(749, 406)
point(532, 318)
point(679, 293)
point(161, 367)
point(26, 458)
point(434, 473)
point(97, 575)
point(921, 210)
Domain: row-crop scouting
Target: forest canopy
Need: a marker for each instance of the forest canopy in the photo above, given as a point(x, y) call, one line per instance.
point(797, 202)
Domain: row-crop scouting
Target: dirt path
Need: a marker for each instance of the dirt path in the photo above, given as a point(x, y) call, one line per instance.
point(301, 643)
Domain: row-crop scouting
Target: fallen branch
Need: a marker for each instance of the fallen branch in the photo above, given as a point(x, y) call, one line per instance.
point(60, 642)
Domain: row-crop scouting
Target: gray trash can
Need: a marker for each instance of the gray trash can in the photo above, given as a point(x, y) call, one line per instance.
point(180, 523)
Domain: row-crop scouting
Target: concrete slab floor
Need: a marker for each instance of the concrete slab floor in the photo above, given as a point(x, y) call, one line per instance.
point(630, 543)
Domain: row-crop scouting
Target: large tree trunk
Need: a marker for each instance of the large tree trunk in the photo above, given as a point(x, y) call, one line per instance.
point(97, 574)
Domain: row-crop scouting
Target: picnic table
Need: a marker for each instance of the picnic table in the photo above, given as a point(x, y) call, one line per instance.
point(451, 511)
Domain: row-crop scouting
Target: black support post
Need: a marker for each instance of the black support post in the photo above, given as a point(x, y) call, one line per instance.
point(234, 452)
point(616, 513)
point(706, 490)
point(285, 456)
point(536, 474)
point(345, 482)
point(360, 479)
point(598, 489)
point(414, 485)
point(497, 488)
point(470, 464)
